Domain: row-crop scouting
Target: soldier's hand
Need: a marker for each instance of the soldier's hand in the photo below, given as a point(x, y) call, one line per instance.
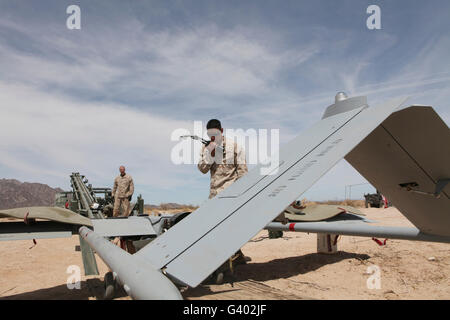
point(212, 148)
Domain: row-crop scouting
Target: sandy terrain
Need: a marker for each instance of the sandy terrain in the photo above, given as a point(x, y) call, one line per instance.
point(285, 268)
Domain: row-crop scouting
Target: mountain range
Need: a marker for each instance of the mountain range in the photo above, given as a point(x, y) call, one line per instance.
point(16, 194)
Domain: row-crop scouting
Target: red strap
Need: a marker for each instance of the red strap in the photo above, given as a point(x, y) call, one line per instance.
point(379, 242)
point(291, 227)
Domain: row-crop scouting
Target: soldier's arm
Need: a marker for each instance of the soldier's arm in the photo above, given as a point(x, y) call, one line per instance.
point(131, 189)
point(241, 164)
point(205, 162)
point(114, 188)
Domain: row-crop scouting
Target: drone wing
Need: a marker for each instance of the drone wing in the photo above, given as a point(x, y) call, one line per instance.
point(407, 158)
point(198, 245)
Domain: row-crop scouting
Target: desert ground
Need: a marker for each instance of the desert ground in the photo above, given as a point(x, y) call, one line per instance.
point(284, 268)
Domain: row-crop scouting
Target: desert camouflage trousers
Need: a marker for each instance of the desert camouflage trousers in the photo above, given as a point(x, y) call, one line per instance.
point(121, 207)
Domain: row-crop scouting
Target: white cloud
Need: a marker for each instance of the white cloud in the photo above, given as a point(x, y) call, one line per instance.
point(44, 135)
point(49, 127)
point(162, 64)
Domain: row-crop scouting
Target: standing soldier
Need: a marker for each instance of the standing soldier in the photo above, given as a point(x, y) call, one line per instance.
point(226, 167)
point(122, 192)
point(225, 160)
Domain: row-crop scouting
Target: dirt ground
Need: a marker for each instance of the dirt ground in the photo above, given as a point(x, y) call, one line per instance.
point(284, 268)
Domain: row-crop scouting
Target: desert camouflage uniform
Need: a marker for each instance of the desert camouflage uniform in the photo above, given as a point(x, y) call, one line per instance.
point(122, 190)
point(232, 168)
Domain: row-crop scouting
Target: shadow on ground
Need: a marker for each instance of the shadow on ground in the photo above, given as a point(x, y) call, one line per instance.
point(89, 289)
point(292, 266)
point(259, 271)
point(271, 270)
point(203, 290)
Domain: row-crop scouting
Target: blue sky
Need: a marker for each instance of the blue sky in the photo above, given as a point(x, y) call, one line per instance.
point(111, 93)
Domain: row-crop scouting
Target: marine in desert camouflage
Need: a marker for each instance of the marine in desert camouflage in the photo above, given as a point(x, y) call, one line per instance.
point(122, 192)
point(223, 158)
